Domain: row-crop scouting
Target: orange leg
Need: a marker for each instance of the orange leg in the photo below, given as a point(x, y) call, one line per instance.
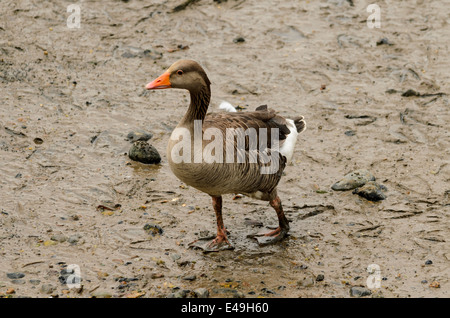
point(282, 229)
point(221, 237)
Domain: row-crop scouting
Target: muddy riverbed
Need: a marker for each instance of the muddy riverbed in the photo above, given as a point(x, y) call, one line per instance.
point(372, 98)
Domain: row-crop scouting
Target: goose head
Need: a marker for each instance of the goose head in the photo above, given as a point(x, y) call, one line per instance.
point(184, 74)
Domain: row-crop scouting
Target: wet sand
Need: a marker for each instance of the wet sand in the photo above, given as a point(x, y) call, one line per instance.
point(71, 96)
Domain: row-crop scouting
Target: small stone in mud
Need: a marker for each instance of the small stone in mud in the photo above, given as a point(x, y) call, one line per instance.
point(410, 92)
point(320, 278)
point(139, 135)
point(239, 39)
point(371, 191)
point(38, 141)
point(201, 293)
point(306, 282)
point(15, 275)
point(143, 152)
point(10, 291)
point(189, 277)
point(359, 291)
point(384, 41)
point(428, 262)
point(47, 288)
point(59, 238)
point(350, 133)
point(153, 229)
point(179, 294)
point(353, 180)
point(73, 239)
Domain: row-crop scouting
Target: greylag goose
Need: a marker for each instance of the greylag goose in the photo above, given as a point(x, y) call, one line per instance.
point(205, 155)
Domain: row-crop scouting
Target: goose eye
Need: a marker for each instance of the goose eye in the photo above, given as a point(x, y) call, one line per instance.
point(180, 72)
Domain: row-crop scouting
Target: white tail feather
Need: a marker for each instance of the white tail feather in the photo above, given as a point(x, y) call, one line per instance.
point(227, 107)
point(287, 149)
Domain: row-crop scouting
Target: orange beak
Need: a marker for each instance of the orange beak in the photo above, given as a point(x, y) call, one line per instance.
point(161, 82)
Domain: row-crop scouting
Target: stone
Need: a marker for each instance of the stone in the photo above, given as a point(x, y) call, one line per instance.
point(371, 191)
point(359, 291)
point(201, 293)
point(47, 288)
point(143, 152)
point(139, 135)
point(15, 275)
point(353, 180)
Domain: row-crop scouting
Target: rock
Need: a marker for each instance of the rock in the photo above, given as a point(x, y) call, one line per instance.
point(35, 282)
point(59, 238)
point(47, 288)
point(15, 275)
point(306, 282)
point(18, 281)
point(384, 41)
point(239, 39)
point(189, 277)
point(410, 92)
point(73, 239)
point(350, 133)
point(101, 294)
point(359, 291)
point(143, 152)
point(10, 291)
point(179, 294)
point(153, 229)
point(371, 191)
point(428, 262)
point(201, 293)
point(139, 135)
point(353, 180)
point(320, 278)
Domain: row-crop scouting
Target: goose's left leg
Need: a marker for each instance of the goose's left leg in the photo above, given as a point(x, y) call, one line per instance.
point(220, 242)
point(221, 237)
point(283, 225)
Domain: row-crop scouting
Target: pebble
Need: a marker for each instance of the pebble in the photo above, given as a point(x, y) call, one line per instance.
point(59, 238)
point(73, 239)
point(306, 282)
point(428, 262)
point(410, 92)
point(371, 191)
point(153, 229)
point(384, 41)
point(189, 277)
point(15, 275)
point(101, 294)
point(143, 152)
point(139, 135)
point(359, 292)
point(239, 39)
point(320, 278)
point(10, 291)
point(353, 180)
point(350, 133)
point(179, 294)
point(47, 288)
point(201, 293)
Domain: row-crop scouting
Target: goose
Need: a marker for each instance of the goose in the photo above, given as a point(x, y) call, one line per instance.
point(276, 137)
